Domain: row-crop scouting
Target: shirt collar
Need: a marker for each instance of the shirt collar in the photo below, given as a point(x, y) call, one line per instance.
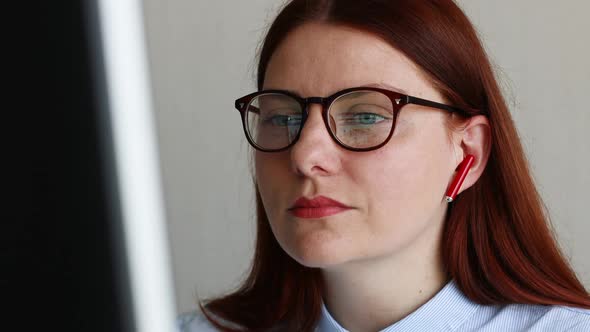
point(446, 311)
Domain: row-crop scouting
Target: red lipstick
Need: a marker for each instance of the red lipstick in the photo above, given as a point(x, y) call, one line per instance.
point(318, 207)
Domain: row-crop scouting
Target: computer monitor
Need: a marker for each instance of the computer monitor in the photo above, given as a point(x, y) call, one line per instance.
point(93, 253)
point(129, 122)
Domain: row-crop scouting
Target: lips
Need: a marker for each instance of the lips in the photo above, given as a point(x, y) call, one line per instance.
point(318, 207)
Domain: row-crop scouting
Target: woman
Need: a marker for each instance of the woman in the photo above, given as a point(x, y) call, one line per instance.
point(392, 190)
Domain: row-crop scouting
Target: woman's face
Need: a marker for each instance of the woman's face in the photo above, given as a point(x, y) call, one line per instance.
point(396, 192)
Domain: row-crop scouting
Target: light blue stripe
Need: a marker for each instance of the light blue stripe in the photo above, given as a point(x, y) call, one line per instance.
point(451, 311)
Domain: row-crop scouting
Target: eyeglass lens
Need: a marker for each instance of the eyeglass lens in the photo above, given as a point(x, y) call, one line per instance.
point(358, 119)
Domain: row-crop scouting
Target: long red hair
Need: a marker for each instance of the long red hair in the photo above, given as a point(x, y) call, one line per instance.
point(497, 243)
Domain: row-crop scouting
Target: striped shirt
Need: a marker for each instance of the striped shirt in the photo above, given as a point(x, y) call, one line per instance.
point(450, 310)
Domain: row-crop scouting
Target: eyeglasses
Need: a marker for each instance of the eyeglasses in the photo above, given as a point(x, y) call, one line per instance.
point(358, 119)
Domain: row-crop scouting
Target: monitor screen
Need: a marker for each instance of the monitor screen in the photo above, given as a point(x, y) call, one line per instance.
point(90, 251)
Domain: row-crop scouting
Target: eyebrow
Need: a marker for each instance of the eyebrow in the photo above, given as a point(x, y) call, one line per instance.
point(370, 85)
point(385, 86)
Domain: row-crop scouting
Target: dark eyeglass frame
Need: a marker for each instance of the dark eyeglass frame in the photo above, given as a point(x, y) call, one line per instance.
point(398, 100)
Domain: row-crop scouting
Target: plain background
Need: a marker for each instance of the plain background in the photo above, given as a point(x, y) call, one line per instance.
point(202, 57)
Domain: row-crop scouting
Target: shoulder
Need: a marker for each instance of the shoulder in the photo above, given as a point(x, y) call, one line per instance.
point(562, 318)
point(526, 317)
point(193, 321)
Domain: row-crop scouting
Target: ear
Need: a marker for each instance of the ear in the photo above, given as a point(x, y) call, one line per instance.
point(474, 138)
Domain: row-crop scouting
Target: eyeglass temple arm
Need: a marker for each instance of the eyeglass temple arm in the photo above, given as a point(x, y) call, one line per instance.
point(428, 103)
point(240, 106)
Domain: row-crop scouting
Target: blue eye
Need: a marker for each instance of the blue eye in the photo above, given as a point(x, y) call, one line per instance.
point(284, 120)
point(365, 118)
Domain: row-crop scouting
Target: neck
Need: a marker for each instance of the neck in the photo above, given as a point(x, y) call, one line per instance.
point(369, 295)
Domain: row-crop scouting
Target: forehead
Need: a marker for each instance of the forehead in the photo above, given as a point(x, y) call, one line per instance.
point(320, 59)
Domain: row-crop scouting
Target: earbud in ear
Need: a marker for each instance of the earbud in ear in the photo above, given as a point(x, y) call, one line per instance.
point(462, 171)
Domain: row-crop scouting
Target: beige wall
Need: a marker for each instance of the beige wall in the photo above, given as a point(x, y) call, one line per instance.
point(202, 58)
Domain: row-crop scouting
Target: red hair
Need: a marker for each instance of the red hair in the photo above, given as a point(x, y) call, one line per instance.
point(497, 243)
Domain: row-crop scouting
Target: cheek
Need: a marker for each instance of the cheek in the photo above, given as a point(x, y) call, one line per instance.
point(271, 179)
point(422, 162)
point(266, 167)
point(258, 166)
point(265, 172)
point(406, 183)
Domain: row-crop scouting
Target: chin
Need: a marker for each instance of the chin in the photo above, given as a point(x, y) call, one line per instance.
point(319, 254)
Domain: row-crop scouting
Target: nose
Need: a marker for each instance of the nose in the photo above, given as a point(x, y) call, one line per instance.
point(315, 153)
